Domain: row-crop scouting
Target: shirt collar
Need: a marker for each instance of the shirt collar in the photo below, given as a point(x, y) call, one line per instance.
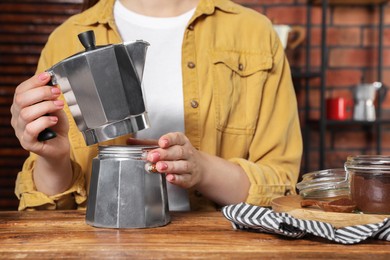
point(102, 12)
point(208, 6)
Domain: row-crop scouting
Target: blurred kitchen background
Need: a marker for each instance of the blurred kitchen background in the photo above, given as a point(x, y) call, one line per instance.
point(346, 48)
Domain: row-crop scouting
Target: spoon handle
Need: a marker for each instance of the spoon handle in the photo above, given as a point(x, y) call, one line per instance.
point(310, 203)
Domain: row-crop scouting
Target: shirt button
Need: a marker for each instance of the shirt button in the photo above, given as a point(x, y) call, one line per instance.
point(240, 66)
point(191, 65)
point(194, 104)
point(191, 27)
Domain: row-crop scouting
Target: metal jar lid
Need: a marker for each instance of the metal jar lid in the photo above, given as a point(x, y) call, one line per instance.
point(368, 163)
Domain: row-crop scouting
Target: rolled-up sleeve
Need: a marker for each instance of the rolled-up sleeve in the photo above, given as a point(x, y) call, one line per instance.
point(30, 198)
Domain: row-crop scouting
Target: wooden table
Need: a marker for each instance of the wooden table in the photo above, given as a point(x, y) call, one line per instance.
point(64, 234)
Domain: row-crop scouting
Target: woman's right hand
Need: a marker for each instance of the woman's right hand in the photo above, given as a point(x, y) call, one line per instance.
point(35, 107)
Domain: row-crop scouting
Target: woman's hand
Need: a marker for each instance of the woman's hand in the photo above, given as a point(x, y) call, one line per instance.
point(217, 179)
point(176, 157)
point(33, 100)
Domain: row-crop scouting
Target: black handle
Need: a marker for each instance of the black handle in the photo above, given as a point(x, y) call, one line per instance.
point(47, 134)
point(87, 39)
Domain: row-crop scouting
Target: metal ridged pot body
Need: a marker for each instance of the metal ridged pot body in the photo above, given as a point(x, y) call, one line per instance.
point(123, 194)
point(103, 90)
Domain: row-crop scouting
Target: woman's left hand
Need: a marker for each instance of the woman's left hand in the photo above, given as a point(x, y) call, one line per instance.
point(178, 159)
point(217, 179)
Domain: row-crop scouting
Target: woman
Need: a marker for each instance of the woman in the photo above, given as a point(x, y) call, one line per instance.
point(235, 135)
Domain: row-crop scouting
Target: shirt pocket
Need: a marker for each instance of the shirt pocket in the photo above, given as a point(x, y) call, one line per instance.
point(238, 79)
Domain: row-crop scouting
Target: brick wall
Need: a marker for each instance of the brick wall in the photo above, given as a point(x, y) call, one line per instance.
point(352, 40)
point(24, 28)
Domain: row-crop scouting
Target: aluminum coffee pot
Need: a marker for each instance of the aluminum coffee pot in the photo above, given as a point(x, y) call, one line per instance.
point(102, 87)
point(122, 193)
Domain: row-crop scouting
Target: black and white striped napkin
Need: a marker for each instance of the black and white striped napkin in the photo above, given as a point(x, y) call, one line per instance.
point(253, 218)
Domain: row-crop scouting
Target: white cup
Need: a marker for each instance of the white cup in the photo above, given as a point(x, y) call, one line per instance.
point(284, 31)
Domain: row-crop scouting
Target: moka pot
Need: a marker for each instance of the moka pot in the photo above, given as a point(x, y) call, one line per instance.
point(122, 193)
point(102, 87)
point(365, 94)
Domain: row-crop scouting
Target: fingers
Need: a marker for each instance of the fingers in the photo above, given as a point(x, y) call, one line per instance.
point(35, 115)
point(35, 95)
point(31, 93)
point(173, 146)
point(177, 158)
point(174, 153)
point(31, 113)
point(179, 167)
point(32, 130)
point(183, 180)
point(33, 82)
point(171, 139)
point(33, 99)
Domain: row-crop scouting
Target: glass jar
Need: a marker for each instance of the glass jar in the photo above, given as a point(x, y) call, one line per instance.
point(324, 185)
point(369, 177)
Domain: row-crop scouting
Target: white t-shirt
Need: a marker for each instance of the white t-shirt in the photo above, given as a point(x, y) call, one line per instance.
point(162, 79)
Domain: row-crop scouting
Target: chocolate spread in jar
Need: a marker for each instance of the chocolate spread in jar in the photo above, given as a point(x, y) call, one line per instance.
point(371, 192)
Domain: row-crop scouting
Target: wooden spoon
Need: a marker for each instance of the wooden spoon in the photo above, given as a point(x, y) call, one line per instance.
point(342, 205)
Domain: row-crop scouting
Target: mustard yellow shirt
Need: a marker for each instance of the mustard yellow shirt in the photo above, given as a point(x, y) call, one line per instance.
point(239, 101)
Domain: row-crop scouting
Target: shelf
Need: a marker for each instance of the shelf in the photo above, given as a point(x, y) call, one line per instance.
point(351, 2)
point(350, 122)
point(322, 124)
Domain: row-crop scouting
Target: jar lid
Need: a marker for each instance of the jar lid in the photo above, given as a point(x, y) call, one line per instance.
point(324, 184)
point(368, 162)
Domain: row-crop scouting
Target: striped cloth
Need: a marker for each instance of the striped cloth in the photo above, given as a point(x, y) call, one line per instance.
point(253, 218)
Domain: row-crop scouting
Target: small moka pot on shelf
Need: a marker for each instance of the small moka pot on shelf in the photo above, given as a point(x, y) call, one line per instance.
point(102, 87)
point(364, 109)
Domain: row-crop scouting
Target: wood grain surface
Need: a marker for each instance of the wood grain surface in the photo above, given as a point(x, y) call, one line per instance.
point(292, 205)
point(64, 234)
